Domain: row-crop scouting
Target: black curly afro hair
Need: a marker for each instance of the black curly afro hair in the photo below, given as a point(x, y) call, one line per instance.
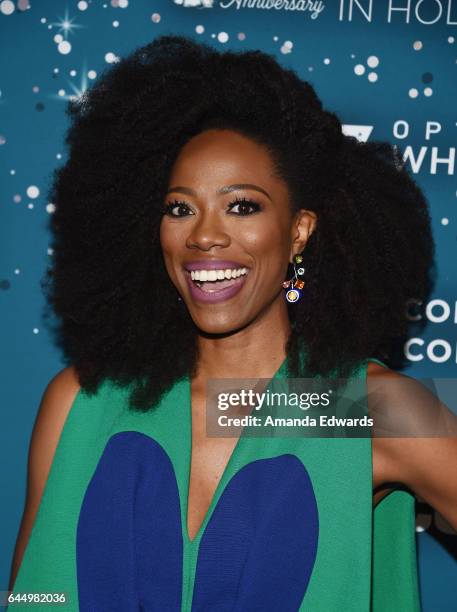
point(117, 311)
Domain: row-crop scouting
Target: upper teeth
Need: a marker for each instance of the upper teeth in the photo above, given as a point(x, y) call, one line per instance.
point(212, 275)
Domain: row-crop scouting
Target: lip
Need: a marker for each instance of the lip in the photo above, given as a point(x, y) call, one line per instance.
point(214, 297)
point(213, 264)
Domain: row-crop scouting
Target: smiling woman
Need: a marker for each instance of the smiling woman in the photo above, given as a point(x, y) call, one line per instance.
point(253, 222)
point(196, 180)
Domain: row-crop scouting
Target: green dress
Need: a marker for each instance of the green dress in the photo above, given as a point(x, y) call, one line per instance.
point(290, 527)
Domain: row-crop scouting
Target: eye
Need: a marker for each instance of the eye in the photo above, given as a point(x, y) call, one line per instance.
point(243, 207)
point(177, 208)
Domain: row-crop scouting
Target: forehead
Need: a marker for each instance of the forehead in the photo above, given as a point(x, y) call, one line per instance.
point(218, 153)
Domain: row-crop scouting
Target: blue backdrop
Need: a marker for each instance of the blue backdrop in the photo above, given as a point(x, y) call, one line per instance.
point(387, 68)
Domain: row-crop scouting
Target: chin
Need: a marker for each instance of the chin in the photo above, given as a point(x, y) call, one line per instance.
point(219, 324)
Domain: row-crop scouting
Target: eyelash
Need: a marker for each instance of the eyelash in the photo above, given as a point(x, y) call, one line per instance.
point(169, 206)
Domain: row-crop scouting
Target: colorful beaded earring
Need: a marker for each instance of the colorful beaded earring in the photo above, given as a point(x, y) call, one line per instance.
point(295, 285)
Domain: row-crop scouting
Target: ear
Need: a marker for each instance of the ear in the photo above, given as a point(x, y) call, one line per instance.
point(303, 226)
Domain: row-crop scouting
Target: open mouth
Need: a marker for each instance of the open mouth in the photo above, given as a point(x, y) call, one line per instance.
point(216, 285)
point(212, 281)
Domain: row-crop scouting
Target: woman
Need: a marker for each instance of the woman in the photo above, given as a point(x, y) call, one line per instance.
point(195, 179)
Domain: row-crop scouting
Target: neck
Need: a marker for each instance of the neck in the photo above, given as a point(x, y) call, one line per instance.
point(256, 351)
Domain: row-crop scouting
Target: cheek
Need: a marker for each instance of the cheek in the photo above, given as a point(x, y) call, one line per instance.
point(171, 238)
point(169, 242)
point(269, 244)
point(165, 236)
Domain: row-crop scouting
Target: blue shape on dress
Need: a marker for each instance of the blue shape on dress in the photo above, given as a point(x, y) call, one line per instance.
point(259, 546)
point(129, 536)
point(256, 553)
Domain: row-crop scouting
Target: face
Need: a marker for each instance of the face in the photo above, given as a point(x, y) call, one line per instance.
point(228, 232)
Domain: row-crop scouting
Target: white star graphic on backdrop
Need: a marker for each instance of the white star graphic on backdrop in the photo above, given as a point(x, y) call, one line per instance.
point(67, 25)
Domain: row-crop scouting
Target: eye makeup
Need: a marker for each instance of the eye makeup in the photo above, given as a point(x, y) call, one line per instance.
point(246, 207)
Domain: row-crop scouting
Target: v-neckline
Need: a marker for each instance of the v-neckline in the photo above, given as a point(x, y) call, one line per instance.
point(280, 372)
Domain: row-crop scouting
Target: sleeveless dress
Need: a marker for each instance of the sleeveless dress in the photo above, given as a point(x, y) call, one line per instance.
point(290, 527)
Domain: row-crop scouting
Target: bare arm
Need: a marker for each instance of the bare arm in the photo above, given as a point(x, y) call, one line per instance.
point(55, 405)
point(425, 460)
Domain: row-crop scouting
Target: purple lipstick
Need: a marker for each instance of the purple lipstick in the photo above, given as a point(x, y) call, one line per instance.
point(214, 281)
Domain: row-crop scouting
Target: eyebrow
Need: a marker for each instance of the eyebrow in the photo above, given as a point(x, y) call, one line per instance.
point(226, 189)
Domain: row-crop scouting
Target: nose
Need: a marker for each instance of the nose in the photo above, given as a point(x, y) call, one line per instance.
point(207, 232)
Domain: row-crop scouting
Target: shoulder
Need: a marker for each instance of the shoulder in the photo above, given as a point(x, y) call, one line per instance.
point(388, 385)
point(375, 369)
point(405, 403)
point(64, 385)
point(56, 402)
point(401, 406)
point(55, 405)
point(66, 380)
point(390, 399)
point(414, 438)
